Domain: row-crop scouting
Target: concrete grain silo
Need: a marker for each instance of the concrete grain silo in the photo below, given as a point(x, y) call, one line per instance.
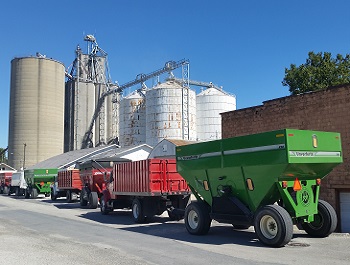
point(209, 104)
point(36, 110)
point(164, 113)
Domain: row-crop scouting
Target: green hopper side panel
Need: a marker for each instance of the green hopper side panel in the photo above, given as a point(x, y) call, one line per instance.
point(252, 167)
point(41, 178)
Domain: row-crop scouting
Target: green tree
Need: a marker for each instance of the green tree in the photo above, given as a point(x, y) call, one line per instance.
point(319, 72)
point(3, 158)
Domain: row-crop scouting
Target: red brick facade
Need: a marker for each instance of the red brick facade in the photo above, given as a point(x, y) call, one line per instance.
point(325, 110)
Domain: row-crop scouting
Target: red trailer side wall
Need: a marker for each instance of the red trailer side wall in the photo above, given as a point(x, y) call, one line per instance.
point(148, 177)
point(5, 177)
point(69, 179)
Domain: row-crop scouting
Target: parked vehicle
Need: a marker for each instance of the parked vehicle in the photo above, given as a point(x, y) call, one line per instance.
point(18, 184)
point(148, 187)
point(68, 184)
point(270, 180)
point(94, 175)
point(39, 181)
point(5, 181)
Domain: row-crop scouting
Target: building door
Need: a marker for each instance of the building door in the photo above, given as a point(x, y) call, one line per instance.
point(344, 198)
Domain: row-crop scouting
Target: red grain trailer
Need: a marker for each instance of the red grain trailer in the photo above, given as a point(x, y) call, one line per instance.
point(5, 182)
point(68, 184)
point(149, 187)
point(94, 175)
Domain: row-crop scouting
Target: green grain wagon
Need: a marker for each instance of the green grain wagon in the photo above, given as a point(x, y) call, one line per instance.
point(39, 181)
point(270, 180)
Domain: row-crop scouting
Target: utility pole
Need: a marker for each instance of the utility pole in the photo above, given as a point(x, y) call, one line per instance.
point(24, 155)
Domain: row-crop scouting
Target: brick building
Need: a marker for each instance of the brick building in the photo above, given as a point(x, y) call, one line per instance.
point(325, 110)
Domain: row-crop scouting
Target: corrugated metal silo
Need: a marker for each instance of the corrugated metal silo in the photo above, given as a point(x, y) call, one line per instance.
point(36, 110)
point(132, 120)
point(210, 103)
point(164, 113)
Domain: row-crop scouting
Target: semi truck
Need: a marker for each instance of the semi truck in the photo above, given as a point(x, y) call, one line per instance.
point(67, 184)
point(39, 181)
point(18, 184)
point(147, 187)
point(269, 180)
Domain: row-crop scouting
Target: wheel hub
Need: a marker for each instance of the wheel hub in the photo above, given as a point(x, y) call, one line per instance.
point(268, 226)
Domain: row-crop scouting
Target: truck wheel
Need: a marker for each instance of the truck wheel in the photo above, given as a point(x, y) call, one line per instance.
point(197, 218)
point(34, 193)
point(53, 196)
point(103, 206)
point(6, 190)
point(17, 192)
point(26, 194)
point(83, 202)
point(325, 222)
point(273, 226)
point(93, 200)
point(137, 211)
point(68, 196)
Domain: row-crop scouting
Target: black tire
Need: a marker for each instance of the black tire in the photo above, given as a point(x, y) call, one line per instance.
point(82, 200)
point(93, 200)
point(137, 211)
point(273, 226)
point(34, 193)
point(241, 227)
point(103, 207)
point(197, 218)
point(68, 196)
point(6, 190)
point(325, 221)
point(53, 196)
point(17, 192)
point(26, 194)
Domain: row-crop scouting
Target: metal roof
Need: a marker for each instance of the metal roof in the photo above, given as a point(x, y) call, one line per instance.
point(70, 158)
point(166, 147)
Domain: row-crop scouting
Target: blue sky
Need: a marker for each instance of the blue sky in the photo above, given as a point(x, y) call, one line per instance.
point(243, 46)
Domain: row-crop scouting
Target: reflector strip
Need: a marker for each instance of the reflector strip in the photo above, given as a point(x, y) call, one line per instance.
point(313, 154)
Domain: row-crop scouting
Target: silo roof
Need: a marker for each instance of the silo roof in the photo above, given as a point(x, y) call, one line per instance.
point(168, 84)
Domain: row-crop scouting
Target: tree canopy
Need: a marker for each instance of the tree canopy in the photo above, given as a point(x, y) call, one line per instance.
point(319, 72)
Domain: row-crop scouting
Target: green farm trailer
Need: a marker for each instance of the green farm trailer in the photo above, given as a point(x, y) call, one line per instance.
point(269, 180)
point(39, 181)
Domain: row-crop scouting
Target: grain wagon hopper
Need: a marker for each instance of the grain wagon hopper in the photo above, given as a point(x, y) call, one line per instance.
point(270, 180)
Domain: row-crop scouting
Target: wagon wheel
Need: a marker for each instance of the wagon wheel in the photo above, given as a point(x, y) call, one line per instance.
point(26, 194)
point(325, 221)
point(93, 200)
point(137, 211)
point(273, 225)
point(68, 196)
point(197, 218)
point(103, 206)
point(34, 193)
point(53, 196)
point(17, 191)
point(83, 202)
